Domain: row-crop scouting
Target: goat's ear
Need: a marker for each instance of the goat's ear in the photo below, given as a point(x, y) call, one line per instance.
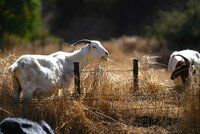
point(182, 70)
point(91, 46)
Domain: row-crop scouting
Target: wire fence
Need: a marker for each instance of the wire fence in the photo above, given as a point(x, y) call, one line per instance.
point(149, 109)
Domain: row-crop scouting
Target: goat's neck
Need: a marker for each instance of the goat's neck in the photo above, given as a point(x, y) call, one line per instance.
point(79, 56)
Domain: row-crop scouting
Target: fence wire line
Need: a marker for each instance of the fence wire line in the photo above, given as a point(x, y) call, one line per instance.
point(99, 70)
point(147, 64)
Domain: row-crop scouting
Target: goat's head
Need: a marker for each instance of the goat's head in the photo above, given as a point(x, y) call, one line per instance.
point(93, 49)
point(181, 69)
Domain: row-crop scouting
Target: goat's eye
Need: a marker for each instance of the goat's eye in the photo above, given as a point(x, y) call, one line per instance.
point(94, 47)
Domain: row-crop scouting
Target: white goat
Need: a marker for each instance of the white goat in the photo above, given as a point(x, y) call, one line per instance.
point(43, 75)
point(185, 63)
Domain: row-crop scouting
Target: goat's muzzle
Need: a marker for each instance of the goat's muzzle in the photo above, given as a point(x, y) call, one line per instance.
point(106, 56)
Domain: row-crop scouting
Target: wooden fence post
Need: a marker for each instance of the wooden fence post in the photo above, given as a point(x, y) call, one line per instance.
point(77, 78)
point(135, 75)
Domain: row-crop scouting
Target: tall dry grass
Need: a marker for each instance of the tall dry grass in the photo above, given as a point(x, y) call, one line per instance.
point(108, 103)
point(191, 121)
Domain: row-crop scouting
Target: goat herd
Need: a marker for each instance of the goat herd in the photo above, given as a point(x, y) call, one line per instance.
point(44, 75)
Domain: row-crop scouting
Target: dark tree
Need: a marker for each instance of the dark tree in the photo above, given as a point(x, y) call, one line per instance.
point(21, 18)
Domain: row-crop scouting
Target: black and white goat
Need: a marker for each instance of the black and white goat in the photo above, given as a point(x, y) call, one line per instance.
point(24, 126)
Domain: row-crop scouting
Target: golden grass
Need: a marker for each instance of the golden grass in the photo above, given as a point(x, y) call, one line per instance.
point(108, 103)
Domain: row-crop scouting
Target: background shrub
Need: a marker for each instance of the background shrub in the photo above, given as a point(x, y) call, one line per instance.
point(179, 28)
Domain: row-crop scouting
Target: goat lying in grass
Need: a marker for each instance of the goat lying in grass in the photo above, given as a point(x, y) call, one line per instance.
point(43, 75)
point(24, 126)
point(185, 63)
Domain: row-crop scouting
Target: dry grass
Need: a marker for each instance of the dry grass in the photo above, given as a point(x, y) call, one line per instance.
point(108, 103)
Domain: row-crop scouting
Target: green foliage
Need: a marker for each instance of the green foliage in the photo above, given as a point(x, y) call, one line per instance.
point(21, 18)
point(180, 28)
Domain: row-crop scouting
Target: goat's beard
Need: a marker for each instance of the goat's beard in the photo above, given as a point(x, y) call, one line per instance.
point(104, 58)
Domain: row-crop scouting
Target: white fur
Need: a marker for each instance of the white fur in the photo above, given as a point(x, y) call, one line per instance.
point(43, 75)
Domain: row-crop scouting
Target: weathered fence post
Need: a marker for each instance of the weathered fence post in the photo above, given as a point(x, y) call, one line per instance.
point(135, 74)
point(77, 78)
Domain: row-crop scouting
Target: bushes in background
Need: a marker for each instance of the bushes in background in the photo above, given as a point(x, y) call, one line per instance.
point(179, 28)
point(20, 18)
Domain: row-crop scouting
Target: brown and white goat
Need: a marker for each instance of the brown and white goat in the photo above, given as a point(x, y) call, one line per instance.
point(186, 64)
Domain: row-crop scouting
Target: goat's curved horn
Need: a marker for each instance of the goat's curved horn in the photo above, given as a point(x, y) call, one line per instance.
point(86, 41)
point(185, 59)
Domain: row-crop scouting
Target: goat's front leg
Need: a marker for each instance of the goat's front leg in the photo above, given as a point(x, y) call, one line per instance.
point(16, 88)
point(27, 93)
point(184, 81)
